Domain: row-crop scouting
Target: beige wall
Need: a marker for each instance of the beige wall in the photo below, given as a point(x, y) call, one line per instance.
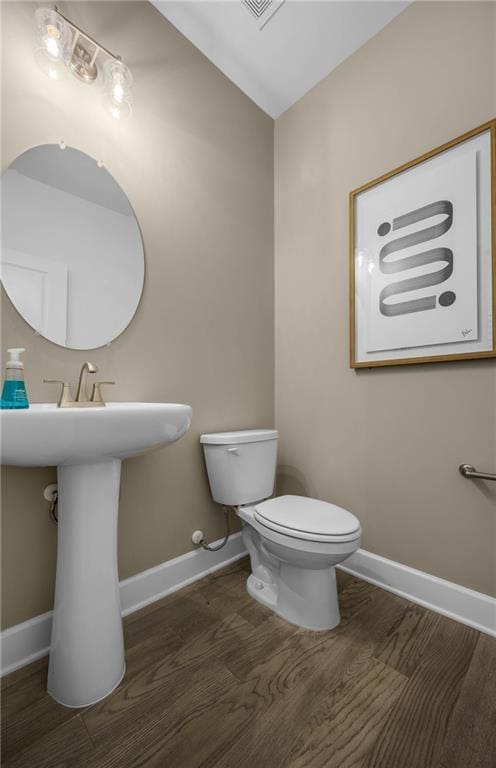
point(383, 443)
point(196, 163)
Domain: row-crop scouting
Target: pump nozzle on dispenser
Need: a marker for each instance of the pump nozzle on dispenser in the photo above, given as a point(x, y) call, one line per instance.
point(15, 357)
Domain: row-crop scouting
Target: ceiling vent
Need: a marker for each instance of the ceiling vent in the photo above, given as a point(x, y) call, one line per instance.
point(262, 10)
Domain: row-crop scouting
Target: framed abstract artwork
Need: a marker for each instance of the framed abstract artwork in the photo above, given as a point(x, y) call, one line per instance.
point(423, 258)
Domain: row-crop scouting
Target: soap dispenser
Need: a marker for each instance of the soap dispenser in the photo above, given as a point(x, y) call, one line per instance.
point(14, 390)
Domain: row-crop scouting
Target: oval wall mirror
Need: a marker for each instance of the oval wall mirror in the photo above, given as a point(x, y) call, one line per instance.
point(72, 255)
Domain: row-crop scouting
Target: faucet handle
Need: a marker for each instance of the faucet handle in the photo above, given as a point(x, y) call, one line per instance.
point(96, 393)
point(65, 399)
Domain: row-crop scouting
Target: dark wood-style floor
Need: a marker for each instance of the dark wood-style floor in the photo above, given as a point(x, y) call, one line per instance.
point(216, 681)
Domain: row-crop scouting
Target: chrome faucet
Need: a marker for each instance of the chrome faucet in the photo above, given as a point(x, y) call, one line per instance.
point(82, 400)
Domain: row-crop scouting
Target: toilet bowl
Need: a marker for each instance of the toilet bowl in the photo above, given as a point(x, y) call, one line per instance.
point(294, 542)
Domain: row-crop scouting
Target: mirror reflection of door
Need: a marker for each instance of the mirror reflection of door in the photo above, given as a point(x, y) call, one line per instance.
point(38, 290)
point(72, 254)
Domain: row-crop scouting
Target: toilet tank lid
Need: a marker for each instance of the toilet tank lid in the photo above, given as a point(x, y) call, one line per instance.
point(241, 436)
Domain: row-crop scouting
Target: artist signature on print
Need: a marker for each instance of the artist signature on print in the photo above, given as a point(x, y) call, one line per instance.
point(466, 331)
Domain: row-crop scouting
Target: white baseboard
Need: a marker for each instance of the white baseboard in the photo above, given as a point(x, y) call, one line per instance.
point(26, 642)
point(451, 600)
point(168, 577)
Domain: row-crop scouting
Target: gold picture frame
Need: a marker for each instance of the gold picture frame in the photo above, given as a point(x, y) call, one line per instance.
point(374, 360)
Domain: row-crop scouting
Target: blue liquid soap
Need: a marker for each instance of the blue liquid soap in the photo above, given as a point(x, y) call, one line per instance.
point(14, 394)
point(14, 390)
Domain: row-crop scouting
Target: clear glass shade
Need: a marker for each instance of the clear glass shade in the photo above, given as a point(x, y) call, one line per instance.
point(118, 86)
point(53, 42)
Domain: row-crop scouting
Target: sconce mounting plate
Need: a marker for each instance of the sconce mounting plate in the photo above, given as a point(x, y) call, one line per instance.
point(83, 65)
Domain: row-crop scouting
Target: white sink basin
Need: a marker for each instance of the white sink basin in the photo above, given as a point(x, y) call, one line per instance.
point(87, 446)
point(44, 435)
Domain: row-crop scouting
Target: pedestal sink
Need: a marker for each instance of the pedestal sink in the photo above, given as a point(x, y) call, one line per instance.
point(87, 445)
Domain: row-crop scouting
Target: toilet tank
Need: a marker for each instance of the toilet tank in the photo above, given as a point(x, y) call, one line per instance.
point(241, 465)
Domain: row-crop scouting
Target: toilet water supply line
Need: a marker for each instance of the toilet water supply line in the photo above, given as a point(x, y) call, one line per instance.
point(197, 537)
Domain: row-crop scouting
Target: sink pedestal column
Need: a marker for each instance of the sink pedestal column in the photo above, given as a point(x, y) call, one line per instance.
point(87, 647)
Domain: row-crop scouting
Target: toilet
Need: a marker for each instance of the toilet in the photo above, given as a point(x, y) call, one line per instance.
point(294, 542)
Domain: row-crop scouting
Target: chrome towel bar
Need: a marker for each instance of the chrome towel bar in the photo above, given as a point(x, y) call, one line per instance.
point(467, 470)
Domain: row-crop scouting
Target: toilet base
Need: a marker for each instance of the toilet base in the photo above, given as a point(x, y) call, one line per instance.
point(263, 593)
point(294, 578)
point(307, 599)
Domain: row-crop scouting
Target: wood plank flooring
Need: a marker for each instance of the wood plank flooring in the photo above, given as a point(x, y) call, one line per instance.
point(215, 680)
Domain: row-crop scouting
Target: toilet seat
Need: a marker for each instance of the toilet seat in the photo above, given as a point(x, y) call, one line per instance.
point(307, 519)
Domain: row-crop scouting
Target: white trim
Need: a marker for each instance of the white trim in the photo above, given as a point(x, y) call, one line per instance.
point(29, 641)
point(168, 577)
point(26, 642)
point(459, 603)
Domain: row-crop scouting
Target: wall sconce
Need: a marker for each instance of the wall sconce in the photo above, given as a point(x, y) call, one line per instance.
point(61, 46)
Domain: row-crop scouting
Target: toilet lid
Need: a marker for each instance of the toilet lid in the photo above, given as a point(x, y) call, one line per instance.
point(300, 515)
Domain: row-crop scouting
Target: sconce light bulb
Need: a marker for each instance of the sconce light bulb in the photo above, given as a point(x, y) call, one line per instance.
point(118, 86)
point(118, 92)
point(53, 31)
point(52, 46)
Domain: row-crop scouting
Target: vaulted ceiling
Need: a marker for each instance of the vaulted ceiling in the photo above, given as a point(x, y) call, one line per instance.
point(276, 50)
